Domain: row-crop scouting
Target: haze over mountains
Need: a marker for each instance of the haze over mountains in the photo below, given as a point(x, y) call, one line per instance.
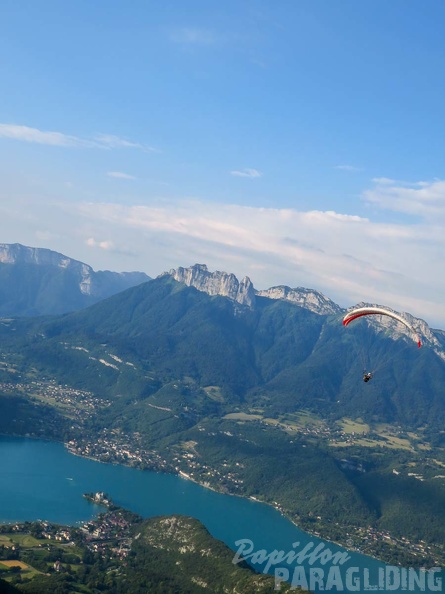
point(243, 292)
point(284, 348)
point(37, 281)
point(201, 360)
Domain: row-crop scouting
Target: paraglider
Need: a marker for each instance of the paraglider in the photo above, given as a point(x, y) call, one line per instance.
point(366, 311)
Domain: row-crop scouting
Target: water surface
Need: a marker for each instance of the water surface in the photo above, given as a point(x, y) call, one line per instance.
point(42, 480)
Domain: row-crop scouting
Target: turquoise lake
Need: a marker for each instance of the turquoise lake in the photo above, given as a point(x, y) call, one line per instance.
point(42, 480)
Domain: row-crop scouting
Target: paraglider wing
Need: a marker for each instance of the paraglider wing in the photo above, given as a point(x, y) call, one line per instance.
point(366, 311)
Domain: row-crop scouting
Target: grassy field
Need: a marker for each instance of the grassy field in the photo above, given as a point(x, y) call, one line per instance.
point(438, 462)
point(25, 540)
point(14, 563)
point(303, 418)
point(378, 435)
point(410, 441)
point(26, 570)
point(241, 416)
point(5, 541)
point(288, 422)
point(274, 422)
point(214, 393)
point(190, 446)
point(39, 549)
point(358, 426)
point(355, 431)
point(65, 409)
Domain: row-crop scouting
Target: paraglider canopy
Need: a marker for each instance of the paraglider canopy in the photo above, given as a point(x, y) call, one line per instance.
point(366, 311)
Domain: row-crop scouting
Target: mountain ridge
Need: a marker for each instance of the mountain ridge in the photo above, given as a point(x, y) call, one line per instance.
point(244, 293)
point(39, 281)
point(279, 355)
point(176, 370)
point(40, 289)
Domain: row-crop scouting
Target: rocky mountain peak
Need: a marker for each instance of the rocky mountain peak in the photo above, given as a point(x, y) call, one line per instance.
point(67, 284)
point(215, 283)
point(395, 329)
point(227, 285)
point(307, 298)
point(16, 253)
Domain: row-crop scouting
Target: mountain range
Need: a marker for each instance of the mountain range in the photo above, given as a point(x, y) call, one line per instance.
point(227, 285)
point(243, 292)
point(195, 365)
point(37, 281)
point(282, 348)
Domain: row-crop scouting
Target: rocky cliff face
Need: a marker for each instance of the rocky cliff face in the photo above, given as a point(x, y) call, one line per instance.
point(435, 339)
point(37, 281)
point(15, 253)
point(216, 283)
point(307, 298)
point(227, 285)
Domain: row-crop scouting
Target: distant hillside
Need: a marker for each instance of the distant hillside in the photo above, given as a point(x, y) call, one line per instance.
point(272, 390)
point(243, 292)
point(278, 355)
point(179, 551)
point(36, 281)
point(161, 555)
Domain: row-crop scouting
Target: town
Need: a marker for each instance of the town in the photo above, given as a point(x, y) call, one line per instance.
point(227, 476)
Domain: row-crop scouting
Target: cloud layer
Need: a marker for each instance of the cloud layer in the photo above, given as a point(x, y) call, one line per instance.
point(247, 172)
point(120, 175)
point(422, 199)
point(36, 136)
point(350, 258)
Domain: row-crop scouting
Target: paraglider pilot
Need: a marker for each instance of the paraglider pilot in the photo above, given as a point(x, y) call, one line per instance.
point(367, 376)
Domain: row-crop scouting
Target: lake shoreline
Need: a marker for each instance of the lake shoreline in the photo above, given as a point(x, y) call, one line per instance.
point(181, 474)
point(185, 476)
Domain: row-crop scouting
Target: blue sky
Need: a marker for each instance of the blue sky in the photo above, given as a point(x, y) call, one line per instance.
point(296, 142)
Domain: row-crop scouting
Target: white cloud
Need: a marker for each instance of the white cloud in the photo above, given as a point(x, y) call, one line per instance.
point(424, 199)
point(252, 173)
point(110, 141)
point(348, 257)
point(347, 168)
point(34, 135)
point(27, 134)
point(103, 245)
point(120, 175)
point(383, 181)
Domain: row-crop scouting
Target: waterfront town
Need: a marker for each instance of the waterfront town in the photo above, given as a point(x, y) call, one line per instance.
point(109, 534)
point(118, 448)
point(183, 458)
